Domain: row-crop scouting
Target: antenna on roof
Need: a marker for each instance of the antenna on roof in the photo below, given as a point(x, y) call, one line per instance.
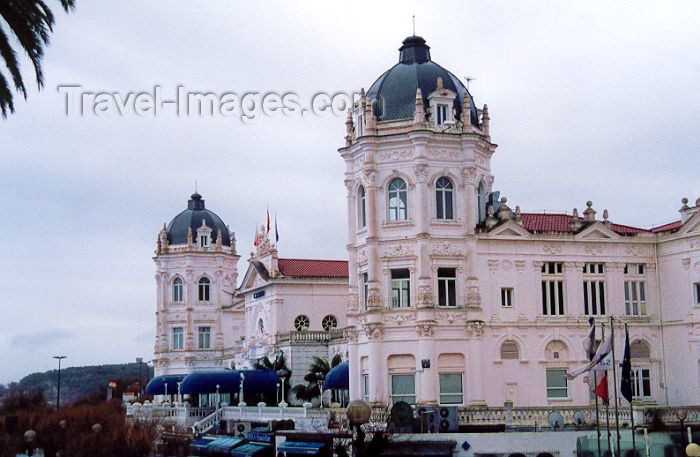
point(414, 24)
point(469, 79)
point(195, 186)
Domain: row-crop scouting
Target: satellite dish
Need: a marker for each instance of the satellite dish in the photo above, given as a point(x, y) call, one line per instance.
point(556, 420)
point(579, 418)
point(401, 414)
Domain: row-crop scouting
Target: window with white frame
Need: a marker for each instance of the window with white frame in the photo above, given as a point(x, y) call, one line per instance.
point(594, 289)
point(203, 289)
point(203, 241)
point(635, 290)
point(365, 288)
point(696, 288)
point(509, 351)
point(557, 385)
point(447, 287)
point(400, 288)
point(178, 338)
point(441, 113)
point(444, 192)
point(451, 389)
point(398, 200)
point(507, 297)
point(641, 383)
point(553, 289)
point(365, 387)
point(403, 388)
point(204, 338)
point(177, 290)
point(361, 207)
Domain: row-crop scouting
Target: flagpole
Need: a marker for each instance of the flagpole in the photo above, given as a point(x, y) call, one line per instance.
point(634, 444)
point(614, 368)
point(595, 394)
point(607, 402)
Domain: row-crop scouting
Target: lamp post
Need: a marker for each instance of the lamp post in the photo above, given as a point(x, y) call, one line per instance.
point(682, 415)
point(58, 384)
point(139, 360)
point(320, 378)
point(241, 403)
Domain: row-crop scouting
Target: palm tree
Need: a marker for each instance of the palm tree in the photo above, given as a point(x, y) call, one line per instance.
point(278, 365)
point(31, 23)
point(318, 370)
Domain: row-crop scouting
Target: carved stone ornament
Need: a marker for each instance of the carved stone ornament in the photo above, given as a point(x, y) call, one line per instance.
point(421, 172)
point(475, 330)
point(593, 249)
point(374, 300)
point(697, 267)
point(424, 329)
point(450, 318)
point(552, 248)
point(353, 302)
point(350, 334)
point(473, 297)
point(506, 265)
point(424, 297)
point(686, 263)
point(370, 175)
point(393, 156)
point(399, 318)
point(447, 249)
point(520, 265)
point(442, 154)
point(362, 256)
point(374, 330)
point(637, 250)
point(469, 174)
point(398, 250)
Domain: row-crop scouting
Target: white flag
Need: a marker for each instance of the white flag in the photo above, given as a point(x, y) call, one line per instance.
point(603, 350)
point(605, 364)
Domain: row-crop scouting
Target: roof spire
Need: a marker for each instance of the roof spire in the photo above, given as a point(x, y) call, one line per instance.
point(414, 25)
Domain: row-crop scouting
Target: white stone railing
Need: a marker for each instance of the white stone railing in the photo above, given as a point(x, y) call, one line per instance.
point(184, 415)
point(309, 336)
point(207, 423)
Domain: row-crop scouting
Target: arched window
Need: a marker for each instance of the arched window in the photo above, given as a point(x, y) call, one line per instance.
point(329, 323)
point(302, 323)
point(556, 351)
point(361, 208)
point(398, 200)
point(177, 290)
point(481, 202)
point(509, 351)
point(204, 289)
point(640, 350)
point(443, 198)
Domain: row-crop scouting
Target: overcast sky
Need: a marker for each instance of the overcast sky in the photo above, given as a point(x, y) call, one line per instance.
point(588, 100)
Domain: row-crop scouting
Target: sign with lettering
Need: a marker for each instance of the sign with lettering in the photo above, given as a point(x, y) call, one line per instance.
point(259, 294)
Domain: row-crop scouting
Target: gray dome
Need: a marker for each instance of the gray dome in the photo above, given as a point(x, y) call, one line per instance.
point(192, 218)
point(395, 90)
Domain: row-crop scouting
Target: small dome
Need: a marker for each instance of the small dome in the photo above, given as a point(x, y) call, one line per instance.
point(395, 90)
point(192, 218)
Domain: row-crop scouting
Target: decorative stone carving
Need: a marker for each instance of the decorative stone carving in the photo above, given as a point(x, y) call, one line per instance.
point(506, 265)
point(442, 154)
point(393, 156)
point(469, 174)
point(450, 318)
point(552, 248)
point(593, 249)
point(370, 175)
point(350, 334)
point(697, 267)
point(425, 329)
point(398, 250)
point(424, 297)
point(447, 249)
point(475, 330)
point(374, 330)
point(686, 263)
point(400, 318)
point(473, 297)
point(421, 172)
point(362, 256)
point(695, 244)
point(520, 265)
point(493, 264)
point(637, 250)
point(353, 302)
point(374, 300)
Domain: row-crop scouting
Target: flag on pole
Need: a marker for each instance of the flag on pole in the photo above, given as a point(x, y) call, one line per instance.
point(589, 342)
point(601, 390)
point(603, 350)
point(626, 378)
point(277, 234)
point(267, 213)
point(256, 241)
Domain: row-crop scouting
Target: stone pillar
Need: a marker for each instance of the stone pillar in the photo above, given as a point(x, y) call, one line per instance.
point(469, 175)
point(573, 280)
point(373, 192)
point(615, 293)
point(354, 363)
point(377, 372)
point(475, 381)
point(427, 387)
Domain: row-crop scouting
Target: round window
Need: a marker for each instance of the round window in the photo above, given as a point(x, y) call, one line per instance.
point(302, 323)
point(329, 323)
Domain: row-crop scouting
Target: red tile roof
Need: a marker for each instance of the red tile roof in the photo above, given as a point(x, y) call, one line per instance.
point(310, 268)
point(540, 222)
point(667, 227)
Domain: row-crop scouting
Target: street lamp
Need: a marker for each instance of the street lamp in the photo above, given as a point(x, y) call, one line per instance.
point(320, 377)
point(58, 384)
point(139, 360)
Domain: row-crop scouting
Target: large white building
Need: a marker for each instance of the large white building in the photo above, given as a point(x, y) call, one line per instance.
point(450, 294)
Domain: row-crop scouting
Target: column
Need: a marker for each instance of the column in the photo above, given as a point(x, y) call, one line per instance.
point(354, 363)
point(377, 372)
point(469, 175)
point(573, 287)
point(475, 331)
point(615, 283)
point(427, 388)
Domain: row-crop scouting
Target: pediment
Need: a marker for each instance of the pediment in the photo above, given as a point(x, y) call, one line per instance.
point(509, 229)
point(691, 226)
point(597, 231)
point(253, 277)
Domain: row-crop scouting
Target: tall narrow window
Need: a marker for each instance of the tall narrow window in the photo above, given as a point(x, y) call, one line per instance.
point(447, 282)
point(178, 338)
point(594, 289)
point(400, 288)
point(177, 290)
point(641, 383)
point(557, 386)
point(553, 289)
point(451, 390)
point(441, 114)
point(481, 202)
point(204, 241)
point(635, 290)
point(398, 200)
point(204, 338)
point(507, 297)
point(696, 287)
point(365, 387)
point(361, 208)
point(203, 287)
point(443, 198)
point(403, 388)
point(365, 288)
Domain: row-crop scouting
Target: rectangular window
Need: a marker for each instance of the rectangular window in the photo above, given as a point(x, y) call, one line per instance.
point(635, 298)
point(451, 390)
point(441, 114)
point(365, 288)
point(403, 388)
point(178, 338)
point(557, 383)
point(447, 286)
point(203, 241)
point(365, 387)
point(507, 297)
point(400, 288)
point(696, 287)
point(552, 289)
point(204, 337)
point(641, 383)
point(594, 289)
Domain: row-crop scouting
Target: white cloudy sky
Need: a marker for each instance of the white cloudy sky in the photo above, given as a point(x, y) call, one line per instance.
point(588, 100)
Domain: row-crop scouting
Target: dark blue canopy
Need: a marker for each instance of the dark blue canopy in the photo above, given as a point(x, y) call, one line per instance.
point(338, 378)
point(249, 450)
point(156, 386)
point(229, 381)
point(298, 447)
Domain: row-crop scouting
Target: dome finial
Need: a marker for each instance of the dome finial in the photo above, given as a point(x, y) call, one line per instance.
point(414, 25)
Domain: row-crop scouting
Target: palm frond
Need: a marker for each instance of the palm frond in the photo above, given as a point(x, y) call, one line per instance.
point(6, 102)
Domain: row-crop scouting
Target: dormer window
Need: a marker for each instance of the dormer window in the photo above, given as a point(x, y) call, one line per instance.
point(204, 241)
point(204, 235)
point(441, 114)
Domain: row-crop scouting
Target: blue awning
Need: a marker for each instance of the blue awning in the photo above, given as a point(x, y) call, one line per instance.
point(338, 378)
point(224, 445)
point(199, 445)
point(300, 448)
point(156, 386)
point(229, 381)
point(250, 450)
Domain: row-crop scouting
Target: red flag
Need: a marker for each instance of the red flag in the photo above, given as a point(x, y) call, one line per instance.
point(256, 242)
point(601, 389)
